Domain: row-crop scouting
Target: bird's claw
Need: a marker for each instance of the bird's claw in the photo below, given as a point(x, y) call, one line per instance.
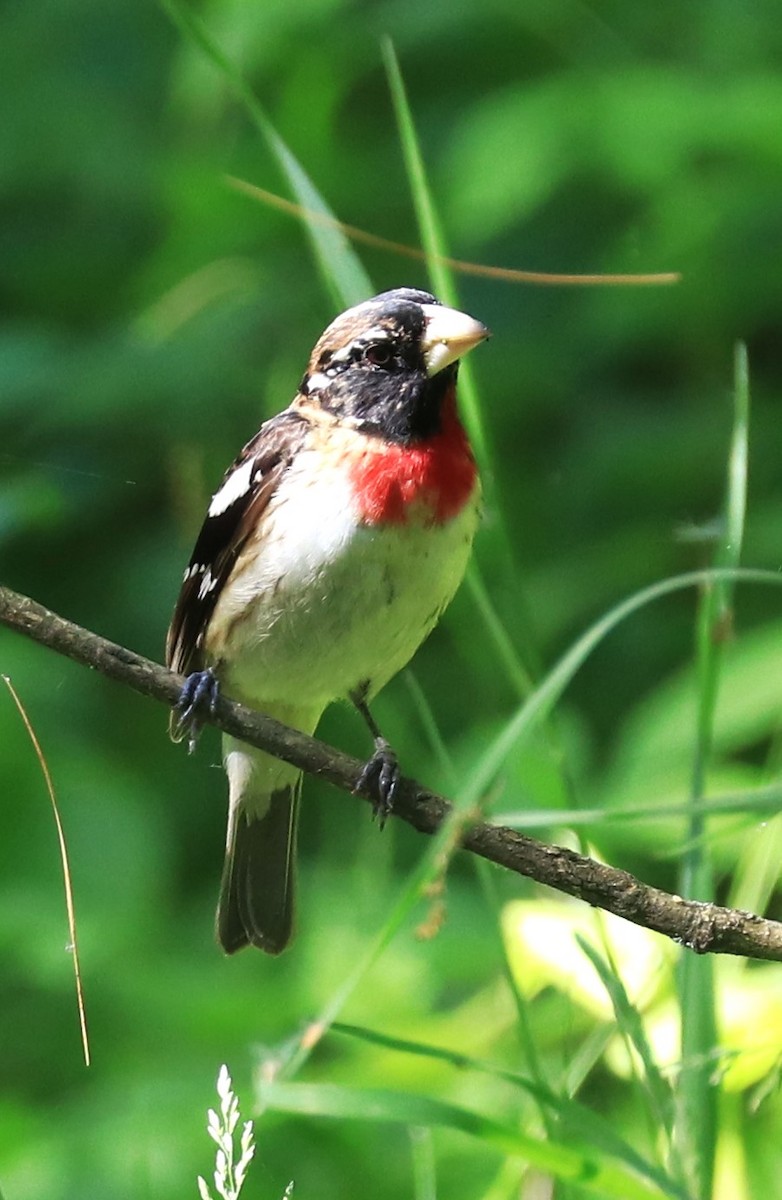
point(380, 777)
point(199, 695)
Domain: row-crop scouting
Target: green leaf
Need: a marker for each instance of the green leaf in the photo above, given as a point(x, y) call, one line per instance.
point(631, 1025)
point(576, 1118)
point(696, 1131)
point(597, 1174)
point(442, 276)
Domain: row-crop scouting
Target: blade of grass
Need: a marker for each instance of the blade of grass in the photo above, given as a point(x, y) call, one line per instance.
point(759, 800)
point(444, 285)
point(433, 241)
point(654, 1094)
point(757, 874)
point(489, 889)
point(697, 1091)
point(588, 1125)
point(429, 725)
point(536, 708)
point(522, 1004)
point(66, 869)
point(630, 1025)
point(596, 1173)
point(581, 1062)
point(519, 677)
point(345, 278)
point(428, 868)
point(424, 1169)
point(509, 1180)
point(758, 870)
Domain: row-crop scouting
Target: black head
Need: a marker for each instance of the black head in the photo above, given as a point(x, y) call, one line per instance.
point(387, 365)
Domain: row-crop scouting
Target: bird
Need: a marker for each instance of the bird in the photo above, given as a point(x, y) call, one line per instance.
point(328, 553)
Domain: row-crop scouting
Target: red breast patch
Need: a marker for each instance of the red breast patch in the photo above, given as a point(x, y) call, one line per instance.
point(434, 478)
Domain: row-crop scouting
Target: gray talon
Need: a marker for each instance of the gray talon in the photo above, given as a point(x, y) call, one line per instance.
point(199, 694)
point(380, 777)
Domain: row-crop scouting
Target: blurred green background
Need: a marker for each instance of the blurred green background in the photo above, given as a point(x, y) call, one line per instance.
point(151, 317)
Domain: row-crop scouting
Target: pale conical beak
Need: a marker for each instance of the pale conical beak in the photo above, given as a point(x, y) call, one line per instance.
point(448, 335)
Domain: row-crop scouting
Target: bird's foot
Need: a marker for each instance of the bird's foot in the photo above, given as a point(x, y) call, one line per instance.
point(198, 696)
point(380, 777)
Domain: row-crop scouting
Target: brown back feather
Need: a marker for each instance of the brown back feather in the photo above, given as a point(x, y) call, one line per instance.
point(223, 536)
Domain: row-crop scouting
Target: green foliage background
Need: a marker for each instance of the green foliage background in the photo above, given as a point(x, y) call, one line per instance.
point(151, 317)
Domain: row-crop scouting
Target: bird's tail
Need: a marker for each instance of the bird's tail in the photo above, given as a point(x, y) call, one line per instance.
point(256, 905)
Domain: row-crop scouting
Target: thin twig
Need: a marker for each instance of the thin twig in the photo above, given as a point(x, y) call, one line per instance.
point(66, 869)
point(505, 274)
point(702, 927)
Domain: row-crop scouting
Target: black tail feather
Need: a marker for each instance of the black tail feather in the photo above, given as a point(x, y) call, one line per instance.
point(256, 904)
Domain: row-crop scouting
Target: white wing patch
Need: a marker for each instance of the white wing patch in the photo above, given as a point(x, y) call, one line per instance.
point(208, 583)
point(236, 485)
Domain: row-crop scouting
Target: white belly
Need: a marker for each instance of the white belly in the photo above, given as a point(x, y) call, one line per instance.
point(331, 604)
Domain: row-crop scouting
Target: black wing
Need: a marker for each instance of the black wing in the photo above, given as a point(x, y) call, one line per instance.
point(255, 475)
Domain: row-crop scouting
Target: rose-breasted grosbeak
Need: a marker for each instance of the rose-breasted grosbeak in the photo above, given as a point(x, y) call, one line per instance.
point(327, 555)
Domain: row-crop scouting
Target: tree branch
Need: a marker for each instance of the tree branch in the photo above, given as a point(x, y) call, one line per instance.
point(702, 927)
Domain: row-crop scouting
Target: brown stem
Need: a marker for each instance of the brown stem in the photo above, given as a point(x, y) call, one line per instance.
point(702, 927)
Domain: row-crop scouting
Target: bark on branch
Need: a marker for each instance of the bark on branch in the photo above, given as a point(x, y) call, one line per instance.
point(701, 927)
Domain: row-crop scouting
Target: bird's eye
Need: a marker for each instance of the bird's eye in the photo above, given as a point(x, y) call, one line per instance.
point(378, 354)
